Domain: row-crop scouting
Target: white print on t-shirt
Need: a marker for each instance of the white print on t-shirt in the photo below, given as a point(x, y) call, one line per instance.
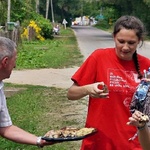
point(127, 101)
point(122, 82)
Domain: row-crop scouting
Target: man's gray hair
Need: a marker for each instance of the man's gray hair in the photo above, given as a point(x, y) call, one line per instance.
point(7, 47)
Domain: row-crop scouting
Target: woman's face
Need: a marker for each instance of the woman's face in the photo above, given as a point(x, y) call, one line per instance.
point(126, 42)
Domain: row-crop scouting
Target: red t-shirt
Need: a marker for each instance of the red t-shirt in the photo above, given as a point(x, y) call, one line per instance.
point(110, 115)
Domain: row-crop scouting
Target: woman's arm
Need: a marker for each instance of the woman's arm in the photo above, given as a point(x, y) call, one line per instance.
point(76, 92)
point(143, 129)
point(144, 137)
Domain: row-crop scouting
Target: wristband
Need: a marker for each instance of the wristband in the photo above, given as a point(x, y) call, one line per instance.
point(141, 128)
point(38, 142)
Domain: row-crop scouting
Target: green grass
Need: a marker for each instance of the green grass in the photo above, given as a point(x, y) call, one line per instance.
point(60, 52)
point(38, 109)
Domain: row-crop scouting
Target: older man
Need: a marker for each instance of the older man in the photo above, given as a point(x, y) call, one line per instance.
point(8, 55)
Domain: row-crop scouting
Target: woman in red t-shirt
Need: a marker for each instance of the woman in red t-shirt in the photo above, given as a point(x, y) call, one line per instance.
point(120, 69)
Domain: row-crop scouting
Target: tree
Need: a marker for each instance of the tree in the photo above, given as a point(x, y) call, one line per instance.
point(3, 12)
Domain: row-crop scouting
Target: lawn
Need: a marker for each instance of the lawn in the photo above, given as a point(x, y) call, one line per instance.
point(38, 109)
point(62, 51)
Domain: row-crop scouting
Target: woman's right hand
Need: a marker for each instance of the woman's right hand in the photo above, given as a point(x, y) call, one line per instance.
point(97, 90)
point(93, 90)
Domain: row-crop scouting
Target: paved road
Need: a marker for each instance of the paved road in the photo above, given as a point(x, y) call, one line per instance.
point(89, 39)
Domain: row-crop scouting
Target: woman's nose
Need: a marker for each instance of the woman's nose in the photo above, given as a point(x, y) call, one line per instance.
point(125, 46)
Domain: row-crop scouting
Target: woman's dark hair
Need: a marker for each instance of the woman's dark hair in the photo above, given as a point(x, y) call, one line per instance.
point(131, 23)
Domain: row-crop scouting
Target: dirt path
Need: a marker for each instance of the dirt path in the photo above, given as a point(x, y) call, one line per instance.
point(44, 77)
point(88, 38)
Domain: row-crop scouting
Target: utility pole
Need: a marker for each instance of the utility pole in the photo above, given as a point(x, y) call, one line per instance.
point(37, 6)
point(82, 12)
point(52, 11)
point(47, 8)
point(8, 11)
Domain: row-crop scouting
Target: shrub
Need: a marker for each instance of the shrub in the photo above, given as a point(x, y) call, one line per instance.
point(46, 27)
point(43, 25)
point(37, 31)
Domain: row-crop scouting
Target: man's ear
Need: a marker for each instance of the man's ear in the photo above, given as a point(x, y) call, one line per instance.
point(4, 61)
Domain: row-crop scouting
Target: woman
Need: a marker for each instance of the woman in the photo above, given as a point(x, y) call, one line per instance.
point(120, 69)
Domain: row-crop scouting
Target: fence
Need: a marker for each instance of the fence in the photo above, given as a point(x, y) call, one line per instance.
point(13, 35)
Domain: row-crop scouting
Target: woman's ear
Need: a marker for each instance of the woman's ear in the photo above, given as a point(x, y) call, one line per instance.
point(4, 61)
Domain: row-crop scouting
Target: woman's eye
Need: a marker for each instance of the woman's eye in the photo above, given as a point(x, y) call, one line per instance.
point(121, 42)
point(131, 43)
